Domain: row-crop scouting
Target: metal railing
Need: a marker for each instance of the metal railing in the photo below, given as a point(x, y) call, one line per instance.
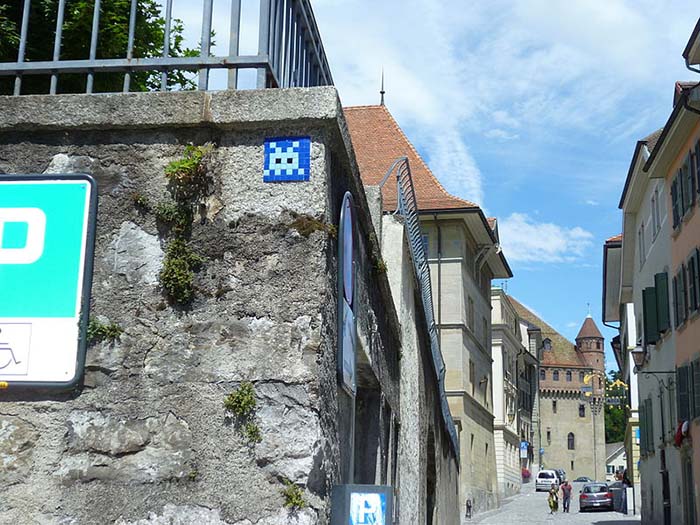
point(290, 51)
point(407, 207)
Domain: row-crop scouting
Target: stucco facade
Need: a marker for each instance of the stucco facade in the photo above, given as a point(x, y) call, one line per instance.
point(507, 351)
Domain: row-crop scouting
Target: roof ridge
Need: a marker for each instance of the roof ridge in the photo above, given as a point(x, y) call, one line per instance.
point(425, 165)
point(346, 108)
point(542, 321)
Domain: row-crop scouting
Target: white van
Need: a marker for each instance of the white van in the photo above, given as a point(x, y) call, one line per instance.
point(545, 479)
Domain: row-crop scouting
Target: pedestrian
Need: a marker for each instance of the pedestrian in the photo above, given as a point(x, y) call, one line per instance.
point(553, 499)
point(566, 489)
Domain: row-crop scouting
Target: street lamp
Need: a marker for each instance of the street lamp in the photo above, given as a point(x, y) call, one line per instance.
point(639, 356)
point(596, 403)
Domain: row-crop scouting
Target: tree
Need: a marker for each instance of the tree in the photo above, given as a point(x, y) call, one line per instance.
point(111, 43)
point(615, 415)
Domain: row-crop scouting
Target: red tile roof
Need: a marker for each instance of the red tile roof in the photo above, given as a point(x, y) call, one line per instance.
point(378, 141)
point(589, 329)
point(616, 238)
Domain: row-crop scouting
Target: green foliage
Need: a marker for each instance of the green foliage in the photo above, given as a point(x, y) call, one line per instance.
point(111, 43)
point(98, 331)
point(306, 225)
point(615, 416)
point(380, 266)
point(177, 274)
point(293, 496)
point(252, 432)
point(241, 402)
point(193, 475)
point(187, 175)
point(177, 217)
point(140, 201)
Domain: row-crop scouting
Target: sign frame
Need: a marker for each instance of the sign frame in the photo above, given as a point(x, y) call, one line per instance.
point(85, 293)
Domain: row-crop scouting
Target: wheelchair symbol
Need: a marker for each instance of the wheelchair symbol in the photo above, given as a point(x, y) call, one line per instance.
point(7, 356)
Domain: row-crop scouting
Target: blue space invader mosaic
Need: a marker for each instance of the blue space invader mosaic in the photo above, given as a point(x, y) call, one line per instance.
point(287, 159)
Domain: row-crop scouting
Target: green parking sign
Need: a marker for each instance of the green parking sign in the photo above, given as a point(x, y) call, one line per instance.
point(47, 229)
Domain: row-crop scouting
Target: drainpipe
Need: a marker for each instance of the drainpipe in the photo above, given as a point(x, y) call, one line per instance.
point(439, 278)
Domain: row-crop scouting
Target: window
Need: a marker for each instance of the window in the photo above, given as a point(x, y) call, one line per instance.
point(572, 464)
point(582, 410)
point(543, 374)
point(485, 331)
point(663, 317)
point(554, 407)
point(600, 382)
point(472, 376)
point(568, 375)
point(649, 319)
point(641, 249)
point(547, 344)
point(680, 303)
point(693, 282)
point(470, 313)
point(426, 243)
point(694, 389)
point(549, 436)
point(655, 213)
point(555, 375)
point(689, 187)
point(597, 345)
point(581, 375)
point(611, 469)
point(683, 392)
point(570, 441)
point(677, 201)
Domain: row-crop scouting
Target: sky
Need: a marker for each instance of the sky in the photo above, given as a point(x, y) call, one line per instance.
point(530, 108)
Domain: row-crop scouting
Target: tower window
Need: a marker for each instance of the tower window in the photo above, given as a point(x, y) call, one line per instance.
point(554, 407)
point(572, 464)
point(549, 436)
point(570, 441)
point(597, 345)
point(543, 374)
point(555, 375)
point(582, 411)
point(568, 375)
point(581, 376)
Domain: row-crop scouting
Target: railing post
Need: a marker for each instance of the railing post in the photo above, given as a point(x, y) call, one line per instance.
point(130, 44)
point(264, 41)
point(57, 43)
point(166, 43)
point(22, 44)
point(234, 38)
point(205, 50)
point(93, 43)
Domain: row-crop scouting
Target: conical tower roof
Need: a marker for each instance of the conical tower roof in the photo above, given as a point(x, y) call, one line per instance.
point(589, 329)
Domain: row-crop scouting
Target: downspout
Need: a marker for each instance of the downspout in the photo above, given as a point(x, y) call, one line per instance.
point(439, 278)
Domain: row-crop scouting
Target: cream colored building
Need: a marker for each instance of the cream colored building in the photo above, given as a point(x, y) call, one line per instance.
point(464, 256)
point(506, 349)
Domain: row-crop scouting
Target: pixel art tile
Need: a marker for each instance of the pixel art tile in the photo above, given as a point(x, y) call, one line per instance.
point(287, 159)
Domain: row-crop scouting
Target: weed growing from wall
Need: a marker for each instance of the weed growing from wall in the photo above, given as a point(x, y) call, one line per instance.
point(293, 496)
point(241, 403)
point(99, 331)
point(306, 225)
point(188, 183)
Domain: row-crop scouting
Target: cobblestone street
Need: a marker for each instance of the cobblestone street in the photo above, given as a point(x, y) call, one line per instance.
point(531, 508)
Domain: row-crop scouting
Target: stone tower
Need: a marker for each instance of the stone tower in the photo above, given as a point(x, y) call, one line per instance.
point(589, 342)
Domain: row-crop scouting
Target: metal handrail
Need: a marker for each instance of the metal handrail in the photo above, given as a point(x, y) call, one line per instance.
point(407, 207)
point(290, 51)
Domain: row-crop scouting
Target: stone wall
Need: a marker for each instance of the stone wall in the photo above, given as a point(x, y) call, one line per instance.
point(147, 439)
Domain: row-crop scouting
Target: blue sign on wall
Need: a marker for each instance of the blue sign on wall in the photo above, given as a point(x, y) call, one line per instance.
point(46, 250)
point(368, 509)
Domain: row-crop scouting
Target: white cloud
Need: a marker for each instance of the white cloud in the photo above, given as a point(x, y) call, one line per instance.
point(592, 202)
point(526, 240)
point(501, 134)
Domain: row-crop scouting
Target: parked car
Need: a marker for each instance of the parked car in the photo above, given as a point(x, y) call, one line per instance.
point(583, 479)
point(561, 475)
point(595, 496)
point(545, 479)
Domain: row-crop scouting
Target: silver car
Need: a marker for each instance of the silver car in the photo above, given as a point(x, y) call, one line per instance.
point(595, 496)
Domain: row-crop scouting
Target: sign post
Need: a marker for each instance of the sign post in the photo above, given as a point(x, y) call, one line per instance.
point(47, 240)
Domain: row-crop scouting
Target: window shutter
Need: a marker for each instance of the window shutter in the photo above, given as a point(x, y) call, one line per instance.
point(650, 426)
point(696, 388)
point(688, 185)
point(697, 165)
point(662, 309)
point(651, 328)
point(682, 380)
point(683, 293)
point(675, 202)
point(691, 283)
point(643, 428)
point(676, 312)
